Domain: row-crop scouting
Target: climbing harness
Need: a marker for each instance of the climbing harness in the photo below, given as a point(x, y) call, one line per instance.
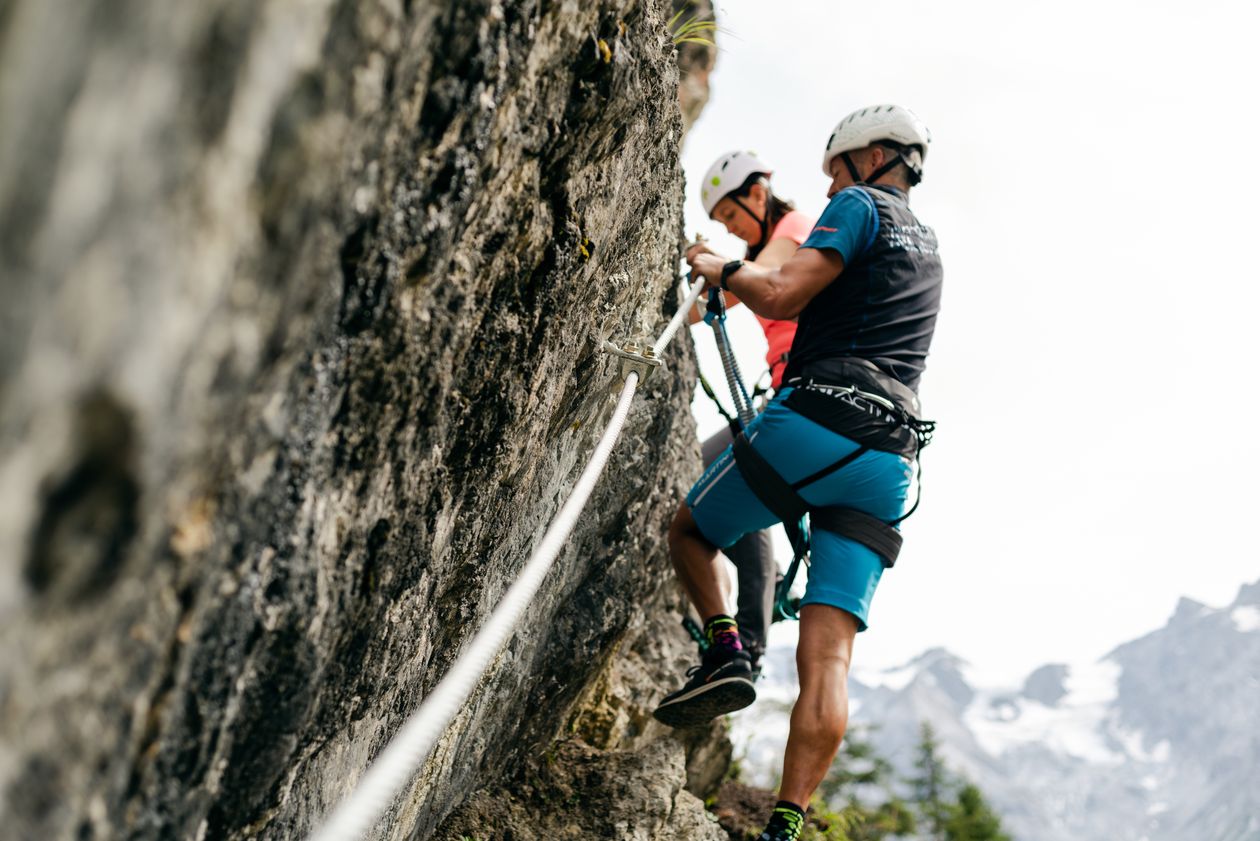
point(407, 751)
point(782, 498)
point(785, 502)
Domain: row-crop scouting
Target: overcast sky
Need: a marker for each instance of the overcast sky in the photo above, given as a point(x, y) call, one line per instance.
point(1093, 373)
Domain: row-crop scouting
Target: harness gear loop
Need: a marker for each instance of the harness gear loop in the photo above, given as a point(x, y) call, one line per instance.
point(923, 431)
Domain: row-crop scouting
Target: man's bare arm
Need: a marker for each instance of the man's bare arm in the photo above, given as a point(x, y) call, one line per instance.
point(777, 293)
point(778, 252)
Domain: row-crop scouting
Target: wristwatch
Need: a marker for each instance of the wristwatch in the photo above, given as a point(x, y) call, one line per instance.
point(728, 270)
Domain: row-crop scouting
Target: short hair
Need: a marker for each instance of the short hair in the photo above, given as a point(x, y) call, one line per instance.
point(908, 154)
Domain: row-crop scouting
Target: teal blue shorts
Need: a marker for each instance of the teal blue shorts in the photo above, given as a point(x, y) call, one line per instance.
point(842, 573)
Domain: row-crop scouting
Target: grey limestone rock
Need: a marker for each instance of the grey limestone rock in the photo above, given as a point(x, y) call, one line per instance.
point(627, 795)
point(299, 356)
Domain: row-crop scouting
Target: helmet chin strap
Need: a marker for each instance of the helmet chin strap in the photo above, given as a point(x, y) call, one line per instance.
point(877, 173)
point(853, 170)
point(762, 223)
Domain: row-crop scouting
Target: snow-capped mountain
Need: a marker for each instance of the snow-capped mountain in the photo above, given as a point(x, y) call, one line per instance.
point(1158, 741)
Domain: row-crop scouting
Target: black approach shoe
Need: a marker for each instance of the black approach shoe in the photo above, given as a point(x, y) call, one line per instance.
point(754, 669)
point(722, 683)
point(754, 651)
point(779, 835)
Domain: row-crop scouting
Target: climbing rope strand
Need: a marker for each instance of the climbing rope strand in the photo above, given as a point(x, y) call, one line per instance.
point(355, 816)
point(410, 747)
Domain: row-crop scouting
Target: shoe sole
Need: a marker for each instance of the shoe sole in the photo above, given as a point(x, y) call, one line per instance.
point(705, 703)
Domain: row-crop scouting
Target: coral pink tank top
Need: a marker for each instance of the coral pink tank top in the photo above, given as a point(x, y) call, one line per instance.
point(779, 334)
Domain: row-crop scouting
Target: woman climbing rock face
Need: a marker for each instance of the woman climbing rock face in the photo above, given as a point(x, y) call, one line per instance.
point(736, 192)
point(839, 440)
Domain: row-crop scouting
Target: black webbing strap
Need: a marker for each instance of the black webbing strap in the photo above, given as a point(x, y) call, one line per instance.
point(831, 468)
point(871, 532)
point(708, 389)
point(772, 489)
point(785, 503)
point(774, 492)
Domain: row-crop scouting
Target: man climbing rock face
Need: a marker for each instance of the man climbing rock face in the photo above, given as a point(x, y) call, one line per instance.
point(840, 439)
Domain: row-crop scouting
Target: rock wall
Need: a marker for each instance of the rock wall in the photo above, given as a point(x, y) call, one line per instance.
point(298, 358)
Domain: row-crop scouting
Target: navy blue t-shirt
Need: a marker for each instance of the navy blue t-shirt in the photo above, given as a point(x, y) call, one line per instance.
point(848, 225)
point(883, 305)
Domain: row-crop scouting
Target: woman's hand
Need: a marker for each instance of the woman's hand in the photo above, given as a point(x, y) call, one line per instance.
point(697, 247)
point(709, 266)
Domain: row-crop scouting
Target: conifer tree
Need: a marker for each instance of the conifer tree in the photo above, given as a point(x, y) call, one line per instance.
point(952, 809)
point(971, 819)
point(931, 785)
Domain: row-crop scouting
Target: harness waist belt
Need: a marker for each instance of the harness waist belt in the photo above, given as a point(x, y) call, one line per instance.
point(778, 495)
point(865, 375)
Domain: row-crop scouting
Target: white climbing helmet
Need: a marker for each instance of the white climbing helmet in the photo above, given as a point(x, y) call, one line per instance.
point(728, 174)
point(880, 122)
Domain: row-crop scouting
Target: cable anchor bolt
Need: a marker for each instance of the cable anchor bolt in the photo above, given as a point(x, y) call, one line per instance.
point(635, 357)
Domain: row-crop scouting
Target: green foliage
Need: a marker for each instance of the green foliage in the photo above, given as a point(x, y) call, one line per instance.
point(837, 824)
point(693, 30)
point(971, 819)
